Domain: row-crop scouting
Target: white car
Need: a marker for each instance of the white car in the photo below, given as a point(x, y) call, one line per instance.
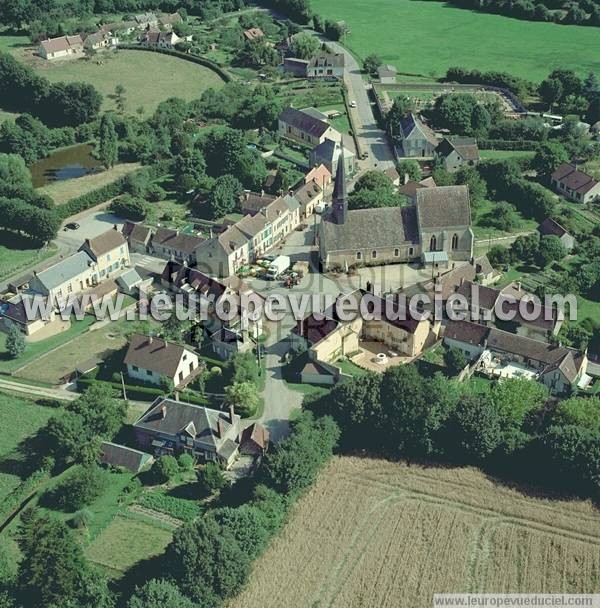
point(353, 104)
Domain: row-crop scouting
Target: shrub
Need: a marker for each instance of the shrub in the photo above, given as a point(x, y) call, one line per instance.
point(78, 490)
point(179, 508)
point(186, 462)
point(210, 478)
point(164, 469)
point(81, 519)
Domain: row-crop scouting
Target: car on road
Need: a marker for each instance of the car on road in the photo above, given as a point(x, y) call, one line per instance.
point(71, 226)
point(353, 104)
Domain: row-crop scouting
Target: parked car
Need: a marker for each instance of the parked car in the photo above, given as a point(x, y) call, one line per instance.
point(353, 104)
point(71, 226)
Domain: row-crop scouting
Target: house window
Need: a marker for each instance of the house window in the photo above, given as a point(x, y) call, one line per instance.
point(433, 244)
point(411, 251)
point(184, 356)
point(108, 257)
point(359, 255)
point(374, 254)
point(396, 252)
point(135, 368)
point(148, 372)
point(69, 288)
point(454, 241)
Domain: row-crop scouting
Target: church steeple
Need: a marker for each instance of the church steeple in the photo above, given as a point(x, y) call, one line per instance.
point(340, 195)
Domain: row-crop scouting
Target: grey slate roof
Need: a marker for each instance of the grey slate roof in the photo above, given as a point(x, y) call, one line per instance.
point(130, 278)
point(551, 228)
point(466, 148)
point(443, 207)
point(122, 456)
point(372, 228)
point(323, 60)
point(154, 354)
point(304, 122)
point(65, 270)
point(411, 123)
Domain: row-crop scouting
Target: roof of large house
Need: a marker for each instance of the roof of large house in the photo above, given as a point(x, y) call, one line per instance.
point(136, 233)
point(118, 455)
point(304, 122)
point(329, 60)
point(252, 202)
point(179, 241)
point(308, 191)
point(145, 17)
point(14, 309)
point(319, 175)
point(94, 38)
point(61, 43)
point(411, 122)
point(330, 151)
point(170, 19)
point(487, 296)
point(465, 147)
point(410, 187)
point(451, 280)
point(372, 229)
point(443, 207)
point(551, 228)
point(154, 354)
point(103, 243)
point(253, 33)
point(386, 71)
point(572, 178)
point(251, 225)
point(65, 270)
point(550, 355)
point(170, 417)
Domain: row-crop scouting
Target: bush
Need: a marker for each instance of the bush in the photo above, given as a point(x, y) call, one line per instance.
point(210, 478)
point(186, 462)
point(129, 207)
point(81, 519)
point(455, 360)
point(78, 490)
point(164, 469)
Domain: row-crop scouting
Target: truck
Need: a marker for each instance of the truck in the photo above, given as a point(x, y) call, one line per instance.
point(278, 266)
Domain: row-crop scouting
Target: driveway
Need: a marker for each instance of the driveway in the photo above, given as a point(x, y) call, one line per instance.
point(90, 226)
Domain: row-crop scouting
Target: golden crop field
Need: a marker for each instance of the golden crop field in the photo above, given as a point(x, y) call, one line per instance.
point(372, 533)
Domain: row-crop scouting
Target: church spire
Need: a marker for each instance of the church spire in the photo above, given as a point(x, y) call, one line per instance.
point(340, 195)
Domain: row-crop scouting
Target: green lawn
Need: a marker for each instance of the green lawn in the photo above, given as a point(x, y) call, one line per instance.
point(17, 253)
point(21, 418)
point(507, 154)
point(37, 349)
point(428, 37)
point(483, 212)
point(148, 78)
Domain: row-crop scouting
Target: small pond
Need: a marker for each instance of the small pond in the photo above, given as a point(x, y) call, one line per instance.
point(67, 163)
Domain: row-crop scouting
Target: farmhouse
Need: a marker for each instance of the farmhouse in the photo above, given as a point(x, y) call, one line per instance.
point(300, 126)
point(551, 228)
point(328, 153)
point(456, 153)
point(321, 175)
point(254, 33)
point(415, 137)
point(109, 251)
point(100, 40)
point(61, 47)
point(387, 74)
point(138, 236)
point(168, 21)
point(326, 65)
point(440, 221)
point(151, 359)
point(146, 20)
point(574, 184)
point(167, 243)
point(173, 427)
point(119, 27)
point(160, 40)
point(503, 354)
point(13, 311)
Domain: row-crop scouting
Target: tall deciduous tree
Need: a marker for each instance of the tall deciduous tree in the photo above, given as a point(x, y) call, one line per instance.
point(15, 341)
point(108, 146)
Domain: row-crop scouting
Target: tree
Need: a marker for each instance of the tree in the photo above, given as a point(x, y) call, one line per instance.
point(189, 170)
point(455, 360)
point(516, 398)
point(243, 396)
point(498, 256)
point(78, 490)
point(455, 112)
point(247, 524)
point(256, 54)
point(305, 45)
point(120, 98)
point(371, 64)
point(165, 469)
point(469, 176)
point(108, 146)
point(401, 106)
point(15, 340)
point(129, 207)
point(550, 250)
point(374, 189)
point(410, 168)
point(210, 478)
point(525, 248)
point(581, 411)
point(475, 427)
point(549, 155)
point(158, 593)
point(551, 90)
point(225, 195)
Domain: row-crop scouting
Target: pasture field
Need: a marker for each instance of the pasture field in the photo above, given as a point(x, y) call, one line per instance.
point(148, 78)
point(378, 533)
point(426, 38)
point(21, 418)
point(17, 253)
point(127, 540)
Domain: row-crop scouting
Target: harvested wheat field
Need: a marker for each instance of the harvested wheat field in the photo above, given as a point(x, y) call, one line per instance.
point(372, 533)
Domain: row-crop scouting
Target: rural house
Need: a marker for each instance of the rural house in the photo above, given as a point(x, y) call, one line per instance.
point(310, 195)
point(61, 47)
point(146, 20)
point(295, 66)
point(328, 153)
point(574, 184)
point(387, 74)
point(151, 359)
point(326, 65)
point(138, 237)
point(12, 310)
point(160, 40)
point(254, 440)
point(175, 427)
point(100, 40)
point(254, 33)
point(319, 174)
point(456, 153)
point(167, 243)
point(551, 228)
point(409, 187)
point(109, 251)
point(415, 137)
point(168, 21)
point(503, 354)
point(304, 128)
point(119, 27)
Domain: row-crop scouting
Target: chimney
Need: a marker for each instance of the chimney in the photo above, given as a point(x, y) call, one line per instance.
point(150, 339)
point(231, 414)
point(35, 273)
point(406, 178)
point(262, 193)
point(163, 411)
point(519, 285)
point(115, 227)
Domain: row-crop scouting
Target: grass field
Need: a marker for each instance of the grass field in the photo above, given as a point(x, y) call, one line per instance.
point(392, 535)
point(148, 78)
point(428, 37)
point(126, 541)
point(17, 253)
point(99, 343)
point(20, 419)
point(63, 191)
point(495, 154)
